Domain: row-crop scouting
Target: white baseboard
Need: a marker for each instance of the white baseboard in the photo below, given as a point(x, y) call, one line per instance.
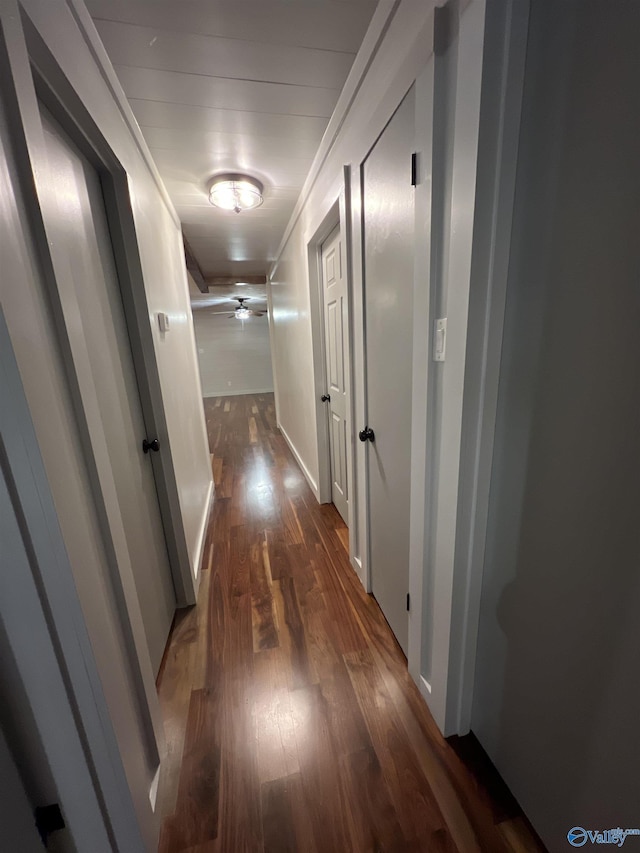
point(202, 535)
point(237, 393)
point(153, 791)
point(303, 467)
point(356, 563)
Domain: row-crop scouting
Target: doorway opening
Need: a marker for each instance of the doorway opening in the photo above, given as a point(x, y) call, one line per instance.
point(329, 261)
point(334, 304)
point(231, 327)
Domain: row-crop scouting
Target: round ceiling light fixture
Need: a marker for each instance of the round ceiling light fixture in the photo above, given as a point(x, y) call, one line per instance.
point(235, 192)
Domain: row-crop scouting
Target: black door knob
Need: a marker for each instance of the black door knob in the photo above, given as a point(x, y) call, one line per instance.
point(325, 398)
point(150, 445)
point(366, 434)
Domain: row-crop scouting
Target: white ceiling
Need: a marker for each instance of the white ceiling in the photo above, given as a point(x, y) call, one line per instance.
point(232, 86)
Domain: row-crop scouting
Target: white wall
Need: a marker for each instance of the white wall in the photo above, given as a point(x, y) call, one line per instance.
point(162, 254)
point(557, 694)
point(234, 355)
point(133, 708)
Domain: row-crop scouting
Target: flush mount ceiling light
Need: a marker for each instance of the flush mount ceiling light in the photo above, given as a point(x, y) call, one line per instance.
point(235, 192)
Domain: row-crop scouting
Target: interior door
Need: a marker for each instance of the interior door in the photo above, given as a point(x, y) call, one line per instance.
point(388, 213)
point(92, 293)
point(334, 289)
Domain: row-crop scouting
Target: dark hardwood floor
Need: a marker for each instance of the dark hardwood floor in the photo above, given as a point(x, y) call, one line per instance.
point(292, 723)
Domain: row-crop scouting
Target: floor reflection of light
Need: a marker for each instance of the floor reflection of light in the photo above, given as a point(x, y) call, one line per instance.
point(259, 488)
point(291, 482)
point(260, 497)
point(284, 721)
point(301, 730)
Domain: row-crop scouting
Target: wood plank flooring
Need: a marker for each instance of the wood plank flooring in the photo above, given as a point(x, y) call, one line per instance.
point(292, 723)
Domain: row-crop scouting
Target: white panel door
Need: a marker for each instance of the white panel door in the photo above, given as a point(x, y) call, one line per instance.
point(388, 212)
point(334, 289)
point(92, 293)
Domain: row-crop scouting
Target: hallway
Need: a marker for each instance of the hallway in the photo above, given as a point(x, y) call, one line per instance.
point(291, 720)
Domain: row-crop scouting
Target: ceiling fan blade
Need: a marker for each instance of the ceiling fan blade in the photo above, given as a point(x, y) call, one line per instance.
point(209, 302)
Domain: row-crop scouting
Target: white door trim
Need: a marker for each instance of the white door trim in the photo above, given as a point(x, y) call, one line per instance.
point(48, 82)
point(360, 487)
point(337, 216)
point(71, 716)
point(424, 404)
point(325, 469)
point(453, 468)
point(459, 54)
point(329, 223)
point(22, 45)
point(506, 31)
point(329, 405)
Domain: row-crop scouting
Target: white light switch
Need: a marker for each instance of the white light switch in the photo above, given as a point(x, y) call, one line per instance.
point(440, 339)
point(163, 321)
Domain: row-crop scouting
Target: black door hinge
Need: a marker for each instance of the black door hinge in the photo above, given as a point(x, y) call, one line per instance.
point(48, 820)
point(408, 602)
point(414, 169)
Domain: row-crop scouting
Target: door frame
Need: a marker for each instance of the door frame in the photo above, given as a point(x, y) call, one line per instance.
point(52, 87)
point(68, 708)
point(505, 41)
point(450, 485)
point(337, 216)
point(31, 73)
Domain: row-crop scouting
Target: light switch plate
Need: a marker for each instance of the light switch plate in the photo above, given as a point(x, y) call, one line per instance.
point(163, 321)
point(440, 339)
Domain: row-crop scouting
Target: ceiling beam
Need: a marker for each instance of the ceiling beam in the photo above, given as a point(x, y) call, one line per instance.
point(194, 267)
point(226, 280)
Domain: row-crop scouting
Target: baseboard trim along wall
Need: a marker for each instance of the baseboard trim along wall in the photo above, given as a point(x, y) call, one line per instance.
point(202, 533)
point(238, 393)
point(303, 467)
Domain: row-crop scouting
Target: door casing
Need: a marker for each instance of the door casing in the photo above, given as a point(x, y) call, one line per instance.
point(51, 87)
point(57, 94)
point(91, 293)
point(335, 388)
point(65, 746)
point(338, 216)
point(30, 72)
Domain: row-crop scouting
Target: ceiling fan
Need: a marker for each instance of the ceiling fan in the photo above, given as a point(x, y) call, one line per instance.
point(242, 312)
